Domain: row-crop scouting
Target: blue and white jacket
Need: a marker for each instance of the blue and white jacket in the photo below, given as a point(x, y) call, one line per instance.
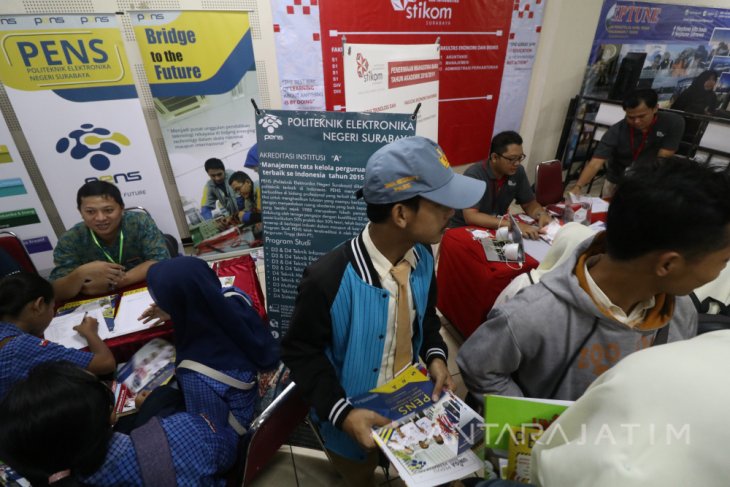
point(336, 337)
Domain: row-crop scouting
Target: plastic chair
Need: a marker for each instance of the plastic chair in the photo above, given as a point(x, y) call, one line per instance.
point(14, 246)
point(267, 433)
point(549, 182)
point(170, 241)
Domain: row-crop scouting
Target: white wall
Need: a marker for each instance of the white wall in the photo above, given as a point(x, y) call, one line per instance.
point(568, 29)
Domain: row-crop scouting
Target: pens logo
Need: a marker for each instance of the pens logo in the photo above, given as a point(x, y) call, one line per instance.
point(98, 141)
point(270, 123)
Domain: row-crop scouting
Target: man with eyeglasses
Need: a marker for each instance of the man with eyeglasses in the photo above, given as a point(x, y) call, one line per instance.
point(506, 181)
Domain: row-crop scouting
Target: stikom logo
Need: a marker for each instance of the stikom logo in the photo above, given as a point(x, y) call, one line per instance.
point(416, 9)
point(88, 140)
point(363, 70)
point(362, 65)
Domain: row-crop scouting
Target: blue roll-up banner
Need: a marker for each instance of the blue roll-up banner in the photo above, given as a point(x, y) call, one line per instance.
point(312, 163)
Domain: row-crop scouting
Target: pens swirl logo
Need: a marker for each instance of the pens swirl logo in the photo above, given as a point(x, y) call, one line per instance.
point(362, 65)
point(98, 141)
point(270, 123)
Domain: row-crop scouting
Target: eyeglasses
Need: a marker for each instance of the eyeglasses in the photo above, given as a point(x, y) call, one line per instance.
point(515, 159)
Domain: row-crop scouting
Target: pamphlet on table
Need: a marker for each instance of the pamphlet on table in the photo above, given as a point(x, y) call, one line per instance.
point(152, 366)
point(131, 305)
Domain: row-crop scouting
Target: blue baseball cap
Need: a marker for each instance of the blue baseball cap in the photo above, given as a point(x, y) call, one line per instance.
point(252, 158)
point(417, 166)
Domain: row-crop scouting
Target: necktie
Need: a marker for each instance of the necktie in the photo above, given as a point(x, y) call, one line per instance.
point(403, 347)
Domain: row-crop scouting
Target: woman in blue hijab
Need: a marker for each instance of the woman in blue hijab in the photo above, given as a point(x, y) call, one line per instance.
point(221, 342)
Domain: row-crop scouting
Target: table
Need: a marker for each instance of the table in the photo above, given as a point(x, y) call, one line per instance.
point(468, 284)
point(243, 268)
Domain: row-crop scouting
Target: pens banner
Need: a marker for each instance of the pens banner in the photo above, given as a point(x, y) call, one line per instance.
point(311, 165)
point(21, 211)
point(69, 81)
point(659, 46)
point(394, 78)
point(202, 72)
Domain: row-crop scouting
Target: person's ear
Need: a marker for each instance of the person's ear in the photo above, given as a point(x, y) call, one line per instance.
point(668, 262)
point(400, 215)
point(38, 305)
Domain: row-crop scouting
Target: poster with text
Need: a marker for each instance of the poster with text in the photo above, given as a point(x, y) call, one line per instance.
point(69, 81)
point(202, 72)
point(656, 45)
point(394, 78)
point(21, 211)
point(473, 36)
point(311, 165)
point(521, 52)
point(299, 53)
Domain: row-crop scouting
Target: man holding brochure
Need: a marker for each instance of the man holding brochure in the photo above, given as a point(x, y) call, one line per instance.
point(366, 310)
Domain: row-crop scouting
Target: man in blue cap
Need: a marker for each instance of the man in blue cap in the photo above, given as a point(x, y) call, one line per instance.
point(367, 310)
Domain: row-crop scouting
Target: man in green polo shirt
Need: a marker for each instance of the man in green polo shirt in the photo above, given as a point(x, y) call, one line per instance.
point(111, 248)
point(506, 181)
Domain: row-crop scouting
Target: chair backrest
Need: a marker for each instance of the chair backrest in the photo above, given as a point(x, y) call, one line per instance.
point(269, 431)
point(14, 246)
point(549, 182)
point(137, 208)
point(170, 241)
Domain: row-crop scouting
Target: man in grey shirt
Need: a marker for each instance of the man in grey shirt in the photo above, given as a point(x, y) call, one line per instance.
point(506, 181)
point(638, 139)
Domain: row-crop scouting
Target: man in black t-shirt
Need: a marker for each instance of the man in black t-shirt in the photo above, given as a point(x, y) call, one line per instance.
point(638, 139)
point(506, 181)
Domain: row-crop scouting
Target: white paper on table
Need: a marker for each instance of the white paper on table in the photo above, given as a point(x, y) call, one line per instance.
point(599, 205)
point(477, 234)
point(131, 307)
point(61, 330)
point(551, 229)
point(537, 249)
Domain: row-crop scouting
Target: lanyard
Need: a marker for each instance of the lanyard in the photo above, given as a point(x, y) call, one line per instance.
point(644, 135)
point(106, 254)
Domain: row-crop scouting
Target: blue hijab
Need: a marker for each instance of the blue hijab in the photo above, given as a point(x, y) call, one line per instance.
point(225, 333)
